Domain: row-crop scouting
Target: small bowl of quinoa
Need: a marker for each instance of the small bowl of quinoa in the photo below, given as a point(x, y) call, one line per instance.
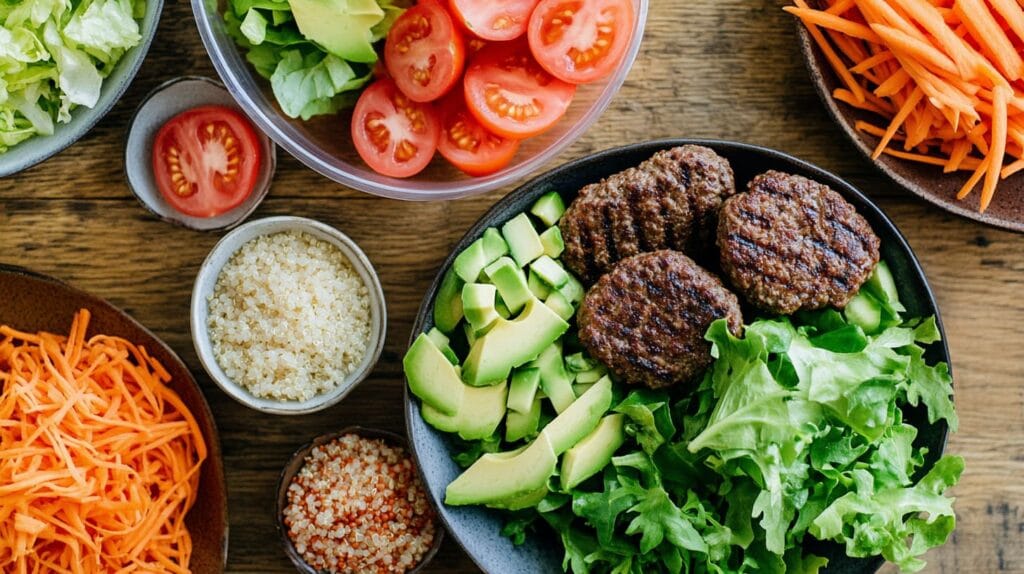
point(288, 315)
point(352, 502)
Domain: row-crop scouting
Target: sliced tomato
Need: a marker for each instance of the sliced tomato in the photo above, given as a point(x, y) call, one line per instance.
point(394, 135)
point(467, 144)
point(511, 95)
point(206, 160)
point(425, 52)
point(494, 20)
point(581, 41)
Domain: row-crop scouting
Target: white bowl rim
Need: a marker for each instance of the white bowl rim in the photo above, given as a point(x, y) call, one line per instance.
point(209, 272)
point(394, 188)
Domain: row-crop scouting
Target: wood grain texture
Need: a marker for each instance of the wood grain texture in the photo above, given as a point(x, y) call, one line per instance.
point(726, 69)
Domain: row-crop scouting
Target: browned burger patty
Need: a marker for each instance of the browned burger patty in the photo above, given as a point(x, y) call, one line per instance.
point(662, 204)
point(646, 318)
point(790, 243)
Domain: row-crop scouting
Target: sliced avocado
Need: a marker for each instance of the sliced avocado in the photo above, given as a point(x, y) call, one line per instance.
point(554, 380)
point(549, 208)
point(587, 457)
point(552, 241)
point(539, 288)
point(494, 244)
point(501, 307)
point(522, 239)
point(510, 344)
point(511, 283)
point(882, 285)
point(522, 425)
point(578, 362)
point(432, 377)
point(470, 333)
point(523, 389)
point(573, 290)
point(477, 418)
point(471, 262)
point(495, 478)
point(448, 304)
point(580, 388)
point(560, 305)
point(528, 500)
point(863, 310)
point(580, 418)
point(441, 341)
point(550, 271)
point(342, 27)
point(591, 376)
point(478, 303)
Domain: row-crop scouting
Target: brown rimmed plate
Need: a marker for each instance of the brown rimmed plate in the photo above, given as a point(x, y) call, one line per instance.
point(478, 529)
point(925, 181)
point(32, 302)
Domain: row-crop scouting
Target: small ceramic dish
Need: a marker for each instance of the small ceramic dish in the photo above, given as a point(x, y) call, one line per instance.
point(39, 148)
point(296, 463)
point(163, 103)
point(207, 279)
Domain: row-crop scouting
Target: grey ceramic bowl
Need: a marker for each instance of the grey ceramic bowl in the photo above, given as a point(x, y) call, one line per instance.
point(478, 529)
point(925, 181)
point(163, 103)
point(32, 151)
point(295, 465)
point(206, 280)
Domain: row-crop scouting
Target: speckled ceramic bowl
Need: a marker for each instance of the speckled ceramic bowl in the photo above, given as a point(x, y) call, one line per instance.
point(295, 465)
point(925, 181)
point(34, 302)
point(163, 103)
point(206, 280)
point(478, 529)
point(32, 151)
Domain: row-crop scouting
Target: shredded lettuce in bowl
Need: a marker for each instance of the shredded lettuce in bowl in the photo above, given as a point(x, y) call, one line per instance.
point(54, 55)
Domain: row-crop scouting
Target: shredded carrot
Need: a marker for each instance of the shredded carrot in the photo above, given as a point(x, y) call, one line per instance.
point(946, 76)
point(99, 459)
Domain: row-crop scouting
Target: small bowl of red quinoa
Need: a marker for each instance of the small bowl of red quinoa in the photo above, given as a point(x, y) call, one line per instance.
point(352, 502)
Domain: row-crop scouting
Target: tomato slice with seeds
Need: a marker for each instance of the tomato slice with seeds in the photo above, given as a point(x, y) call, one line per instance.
point(581, 41)
point(499, 21)
point(511, 95)
point(468, 145)
point(425, 52)
point(394, 135)
point(206, 160)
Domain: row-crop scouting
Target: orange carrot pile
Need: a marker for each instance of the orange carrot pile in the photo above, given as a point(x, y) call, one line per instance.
point(946, 74)
point(99, 460)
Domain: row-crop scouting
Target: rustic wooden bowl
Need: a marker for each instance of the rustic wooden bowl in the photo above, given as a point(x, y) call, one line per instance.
point(33, 302)
point(926, 181)
point(295, 464)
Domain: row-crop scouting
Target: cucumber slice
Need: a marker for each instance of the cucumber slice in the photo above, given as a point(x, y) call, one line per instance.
point(864, 311)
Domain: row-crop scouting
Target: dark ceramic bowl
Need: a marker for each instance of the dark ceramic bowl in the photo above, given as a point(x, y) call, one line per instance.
point(295, 464)
point(477, 529)
point(926, 181)
point(34, 302)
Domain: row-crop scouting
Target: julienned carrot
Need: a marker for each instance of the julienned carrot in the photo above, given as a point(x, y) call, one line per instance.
point(99, 459)
point(947, 75)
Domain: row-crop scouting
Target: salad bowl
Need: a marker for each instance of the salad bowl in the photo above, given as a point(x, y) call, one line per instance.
point(478, 529)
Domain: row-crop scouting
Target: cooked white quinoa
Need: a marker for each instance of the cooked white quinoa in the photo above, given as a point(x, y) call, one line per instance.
point(289, 317)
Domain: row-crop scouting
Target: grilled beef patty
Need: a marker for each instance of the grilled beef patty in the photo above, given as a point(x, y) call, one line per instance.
point(790, 243)
point(646, 319)
point(664, 203)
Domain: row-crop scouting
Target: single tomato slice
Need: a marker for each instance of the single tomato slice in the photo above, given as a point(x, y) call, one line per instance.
point(499, 21)
point(206, 160)
point(425, 52)
point(581, 41)
point(511, 95)
point(467, 144)
point(394, 135)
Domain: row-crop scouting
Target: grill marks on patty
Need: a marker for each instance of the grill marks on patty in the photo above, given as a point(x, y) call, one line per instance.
point(646, 319)
point(790, 244)
point(666, 202)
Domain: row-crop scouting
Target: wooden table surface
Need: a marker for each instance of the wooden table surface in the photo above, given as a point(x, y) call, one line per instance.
point(726, 69)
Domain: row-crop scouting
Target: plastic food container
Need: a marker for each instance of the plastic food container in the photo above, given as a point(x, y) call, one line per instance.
point(323, 143)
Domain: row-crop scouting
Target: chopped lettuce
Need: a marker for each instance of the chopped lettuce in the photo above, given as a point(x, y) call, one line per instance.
point(54, 55)
point(798, 432)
